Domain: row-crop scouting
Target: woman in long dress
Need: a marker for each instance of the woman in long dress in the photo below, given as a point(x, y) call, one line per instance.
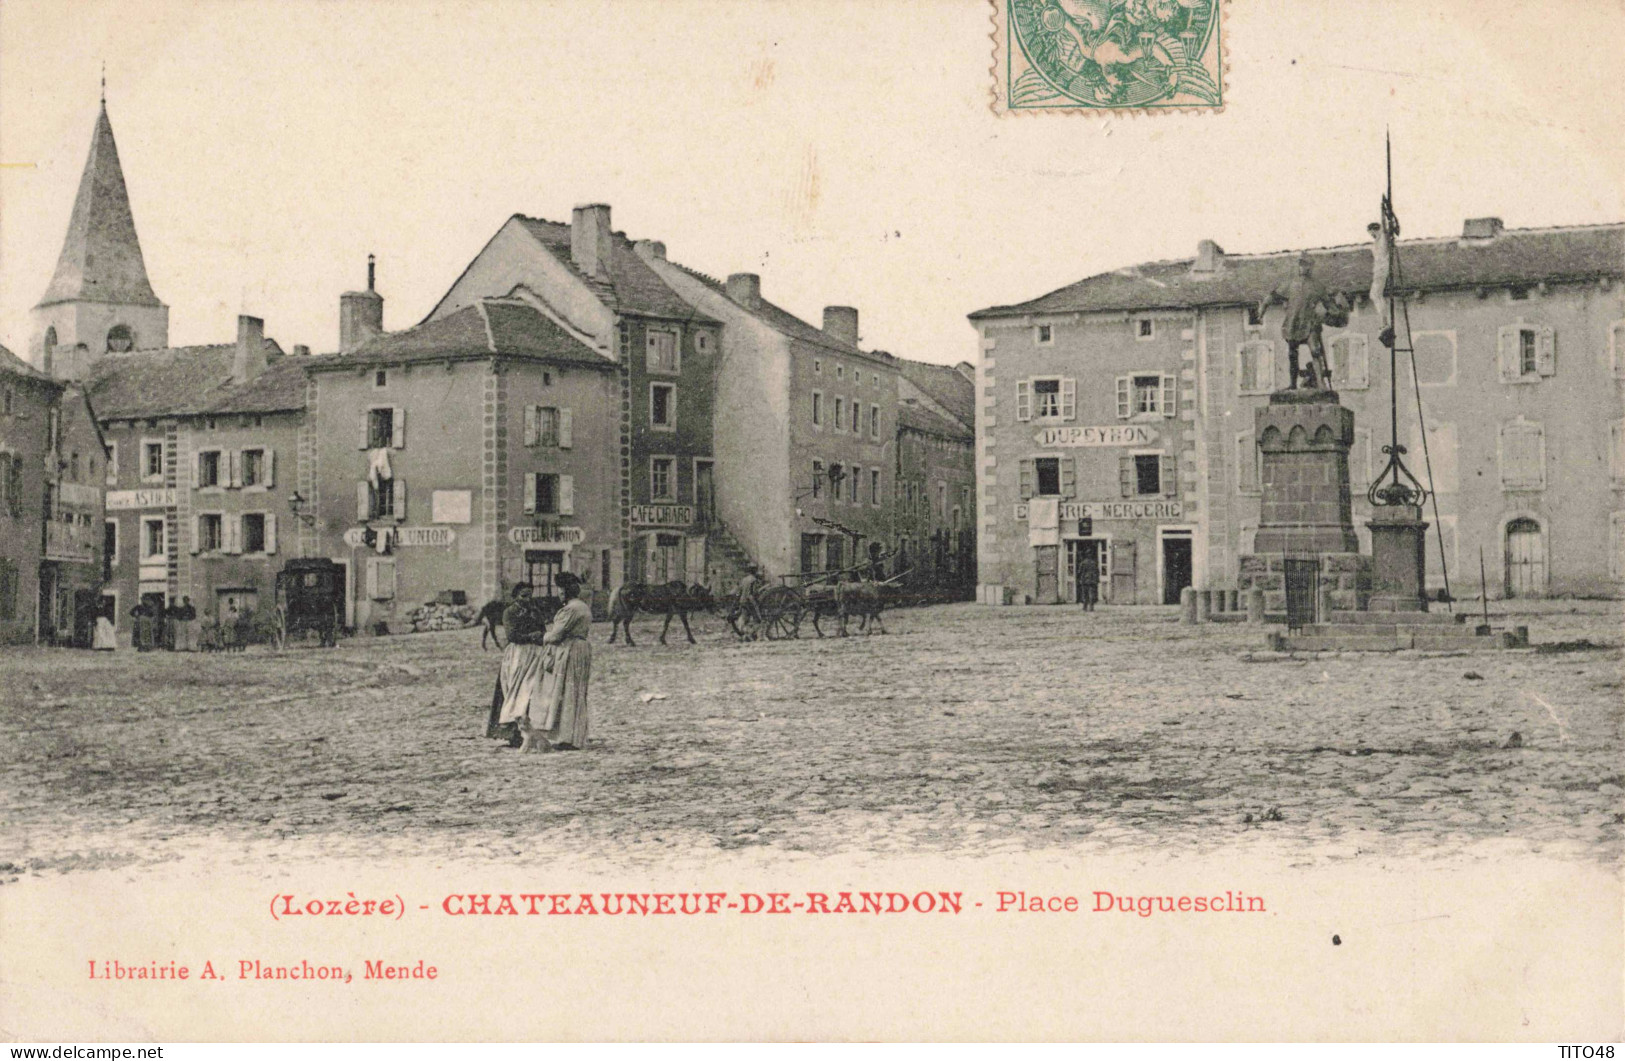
point(521, 674)
point(558, 715)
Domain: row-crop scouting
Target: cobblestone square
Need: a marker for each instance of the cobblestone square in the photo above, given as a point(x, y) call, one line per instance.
point(966, 730)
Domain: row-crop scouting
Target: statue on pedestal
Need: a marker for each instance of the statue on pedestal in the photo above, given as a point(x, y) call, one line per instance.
point(1309, 308)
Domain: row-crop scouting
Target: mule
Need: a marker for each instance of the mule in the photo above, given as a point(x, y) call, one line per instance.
point(670, 599)
point(491, 617)
point(859, 598)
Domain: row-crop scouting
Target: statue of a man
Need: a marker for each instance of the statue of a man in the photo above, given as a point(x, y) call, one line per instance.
point(1308, 309)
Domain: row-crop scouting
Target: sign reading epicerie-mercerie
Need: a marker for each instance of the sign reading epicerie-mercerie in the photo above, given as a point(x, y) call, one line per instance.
point(1111, 435)
point(1109, 510)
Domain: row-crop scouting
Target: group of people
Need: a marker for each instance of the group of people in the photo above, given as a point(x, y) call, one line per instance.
point(175, 628)
point(540, 702)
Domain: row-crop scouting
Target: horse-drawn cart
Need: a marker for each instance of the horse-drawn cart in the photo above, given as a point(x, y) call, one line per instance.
point(798, 597)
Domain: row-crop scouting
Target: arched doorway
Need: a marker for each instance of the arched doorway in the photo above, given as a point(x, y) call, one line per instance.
point(1525, 558)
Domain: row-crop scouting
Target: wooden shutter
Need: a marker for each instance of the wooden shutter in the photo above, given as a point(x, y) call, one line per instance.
point(197, 535)
point(363, 501)
point(1026, 480)
point(1069, 480)
point(530, 492)
point(234, 464)
point(269, 469)
point(197, 470)
point(372, 579)
point(1069, 399)
point(1125, 475)
point(566, 429)
point(1170, 475)
point(1509, 351)
point(567, 495)
point(1546, 352)
point(231, 533)
point(398, 439)
point(533, 413)
point(1359, 362)
point(1170, 396)
point(1024, 399)
point(270, 532)
point(400, 499)
point(1125, 397)
point(1122, 556)
point(366, 429)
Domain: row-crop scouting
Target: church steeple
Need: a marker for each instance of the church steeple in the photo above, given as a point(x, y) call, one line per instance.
point(99, 299)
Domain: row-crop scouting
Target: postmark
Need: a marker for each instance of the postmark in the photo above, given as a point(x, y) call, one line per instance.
point(1107, 56)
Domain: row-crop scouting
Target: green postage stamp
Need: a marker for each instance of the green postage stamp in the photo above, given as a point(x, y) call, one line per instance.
point(1107, 55)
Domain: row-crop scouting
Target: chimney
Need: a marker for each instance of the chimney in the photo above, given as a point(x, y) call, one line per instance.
point(650, 250)
point(361, 313)
point(1481, 228)
point(590, 239)
point(841, 322)
point(301, 350)
point(249, 359)
point(1209, 257)
point(745, 289)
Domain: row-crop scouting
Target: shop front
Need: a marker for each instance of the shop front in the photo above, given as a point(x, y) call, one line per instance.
point(1133, 552)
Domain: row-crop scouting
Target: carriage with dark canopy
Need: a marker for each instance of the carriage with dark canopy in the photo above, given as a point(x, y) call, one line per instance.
point(310, 597)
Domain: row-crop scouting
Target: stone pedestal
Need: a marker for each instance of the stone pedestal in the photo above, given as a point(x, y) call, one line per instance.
point(1398, 559)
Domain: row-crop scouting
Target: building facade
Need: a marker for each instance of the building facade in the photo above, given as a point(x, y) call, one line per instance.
point(1516, 337)
point(935, 494)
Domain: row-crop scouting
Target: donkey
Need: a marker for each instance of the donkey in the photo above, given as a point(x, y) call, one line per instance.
point(490, 617)
point(859, 598)
point(672, 598)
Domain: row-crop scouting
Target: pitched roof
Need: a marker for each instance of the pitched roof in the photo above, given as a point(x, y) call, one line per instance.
point(488, 327)
point(782, 320)
point(191, 381)
point(944, 385)
point(632, 286)
point(10, 362)
point(1514, 256)
point(916, 417)
point(101, 256)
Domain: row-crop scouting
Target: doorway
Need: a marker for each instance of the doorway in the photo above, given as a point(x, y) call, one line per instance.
point(705, 497)
point(542, 567)
point(1082, 554)
point(231, 603)
point(1302, 581)
point(1176, 564)
point(1525, 559)
point(1047, 591)
point(665, 559)
point(811, 546)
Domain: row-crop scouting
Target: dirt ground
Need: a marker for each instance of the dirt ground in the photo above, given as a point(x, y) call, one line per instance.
point(964, 730)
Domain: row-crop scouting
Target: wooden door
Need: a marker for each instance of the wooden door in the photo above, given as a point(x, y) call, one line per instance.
point(1045, 559)
point(1302, 580)
point(1123, 573)
point(1525, 559)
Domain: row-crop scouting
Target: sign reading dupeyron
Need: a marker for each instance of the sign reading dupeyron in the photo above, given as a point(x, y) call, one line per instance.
point(1113, 435)
point(1092, 510)
point(1072, 55)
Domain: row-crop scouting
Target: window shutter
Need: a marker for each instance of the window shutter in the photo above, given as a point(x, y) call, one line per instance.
point(366, 427)
point(1509, 352)
point(1024, 399)
point(532, 414)
point(197, 534)
point(270, 468)
point(400, 499)
point(363, 501)
point(1359, 362)
point(234, 460)
point(1125, 475)
point(1026, 479)
point(398, 439)
point(372, 579)
point(1069, 399)
point(197, 470)
point(270, 532)
point(566, 429)
point(1069, 480)
point(1170, 476)
point(1266, 366)
point(1546, 352)
point(530, 492)
point(231, 530)
point(1170, 396)
point(567, 495)
point(1124, 394)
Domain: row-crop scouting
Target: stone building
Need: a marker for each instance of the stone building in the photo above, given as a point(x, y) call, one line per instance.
point(51, 463)
point(806, 422)
point(449, 461)
point(1517, 337)
point(935, 496)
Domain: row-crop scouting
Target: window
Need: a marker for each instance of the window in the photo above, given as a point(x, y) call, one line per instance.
point(211, 533)
point(857, 417)
point(152, 540)
point(818, 478)
point(11, 484)
point(109, 546)
point(1435, 358)
point(1045, 335)
point(208, 468)
point(1048, 470)
point(874, 486)
point(840, 414)
point(112, 464)
point(546, 425)
point(942, 500)
point(874, 421)
point(852, 483)
point(874, 379)
point(1053, 398)
point(818, 366)
point(1527, 353)
point(1249, 463)
point(1519, 293)
point(1349, 360)
point(1255, 367)
point(1047, 392)
point(8, 588)
point(73, 467)
point(1148, 475)
point(662, 479)
point(380, 579)
point(1144, 328)
point(152, 462)
point(702, 342)
point(254, 533)
point(663, 406)
point(385, 499)
point(818, 409)
point(254, 468)
point(1255, 319)
point(834, 554)
point(1523, 455)
point(547, 494)
point(380, 379)
point(1143, 396)
point(380, 428)
point(1147, 394)
point(840, 370)
point(662, 353)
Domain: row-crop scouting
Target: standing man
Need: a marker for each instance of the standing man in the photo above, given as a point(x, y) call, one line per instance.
point(186, 626)
point(1308, 309)
point(1089, 576)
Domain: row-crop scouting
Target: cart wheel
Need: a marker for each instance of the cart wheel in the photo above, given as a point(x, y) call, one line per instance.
point(781, 613)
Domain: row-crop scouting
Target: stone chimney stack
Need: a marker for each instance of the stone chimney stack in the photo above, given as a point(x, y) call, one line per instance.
point(301, 350)
point(745, 289)
point(1209, 257)
point(841, 322)
point(590, 237)
point(249, 359)
point(1481, 228)
point(361, 313)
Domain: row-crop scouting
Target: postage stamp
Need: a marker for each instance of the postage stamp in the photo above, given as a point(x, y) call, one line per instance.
point(1107, 55)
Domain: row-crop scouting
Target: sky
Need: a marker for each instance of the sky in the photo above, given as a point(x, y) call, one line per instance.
point(844, 151)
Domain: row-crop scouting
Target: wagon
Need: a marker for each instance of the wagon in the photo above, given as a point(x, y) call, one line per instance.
point(310, 597)
point(798, 597)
